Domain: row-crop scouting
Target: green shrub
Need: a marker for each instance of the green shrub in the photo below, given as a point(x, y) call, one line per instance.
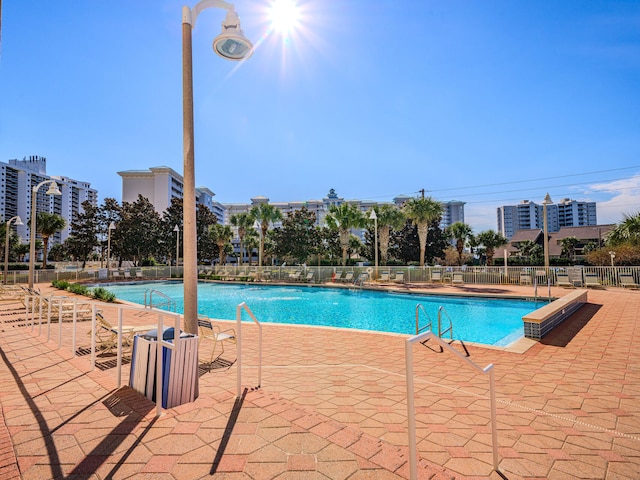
point(101, 293)
point(78, 289)
point(60, 284)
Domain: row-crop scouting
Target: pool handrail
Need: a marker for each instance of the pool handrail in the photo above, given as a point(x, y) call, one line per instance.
point(428, 326)
point(413, 449)
point(239, 309)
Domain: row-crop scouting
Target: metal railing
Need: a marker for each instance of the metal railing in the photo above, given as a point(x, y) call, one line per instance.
point(411, 411)
point(239, 308)
point(488, 275)
point(165, 301)
point(428, 326)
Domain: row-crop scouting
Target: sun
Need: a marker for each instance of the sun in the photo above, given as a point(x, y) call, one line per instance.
point(284, 16)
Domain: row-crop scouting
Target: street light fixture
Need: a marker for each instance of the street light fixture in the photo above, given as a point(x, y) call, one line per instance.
point(547, 201)
point(231, 44)
point(53, 190)
point(613, 255)
point(177, 230)
point(374, 217)
point(112, 226)
point(18, 221)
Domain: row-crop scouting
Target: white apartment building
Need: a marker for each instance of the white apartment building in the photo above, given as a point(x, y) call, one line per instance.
point(17, 179)
point(528, 215)
point(160, 185)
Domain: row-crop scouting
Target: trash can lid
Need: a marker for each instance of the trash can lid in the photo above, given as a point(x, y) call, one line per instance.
point(167, 334)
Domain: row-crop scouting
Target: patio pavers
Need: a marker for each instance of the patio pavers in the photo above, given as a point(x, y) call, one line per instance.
point(332, 405)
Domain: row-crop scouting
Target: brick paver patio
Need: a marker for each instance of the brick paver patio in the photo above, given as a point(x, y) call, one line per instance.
point(332, 405)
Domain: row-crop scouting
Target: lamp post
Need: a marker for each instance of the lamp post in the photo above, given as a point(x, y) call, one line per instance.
point(613, 255)
point(53, 190)
point(18, 221)
point(177, 230)
point(232, 45)
point(374, 217)
point(112, 226)
point(547, 201)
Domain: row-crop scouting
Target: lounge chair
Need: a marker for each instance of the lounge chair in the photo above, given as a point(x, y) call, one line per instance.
point(347, 278)
point(63, 307)
point(436, 276)
point(309, 277)
point(139, 273)
point(562, 280)
point(210, 333)
point(116, 274)
point(384, 277)
point(337, 277)
point(107, 334)
point(295, 276)
point(458, 278)
point(398, 278)
point(127, 274)
point(626, 280)
point(592, 280)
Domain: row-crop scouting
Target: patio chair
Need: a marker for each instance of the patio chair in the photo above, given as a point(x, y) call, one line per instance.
point(308, 277)
point(295, 276)
point(63, 307)
point(384, 277)
point(592, 280)
point(116, 274)
point(210, 333)
point(457, 279)
point(139, 273)
point(562, 280)
point(436, 276)
point(626, 280)
point(337, 277)
point(127, 274)
point(107, 334)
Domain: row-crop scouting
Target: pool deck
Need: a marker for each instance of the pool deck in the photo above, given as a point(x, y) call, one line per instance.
point(332, 405)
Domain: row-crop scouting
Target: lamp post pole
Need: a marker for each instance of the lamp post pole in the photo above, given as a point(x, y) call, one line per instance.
point(18, 221)
point(613, 255)
point(111, 227)
point(232, 45)
point(177, 230)
point(53, 190)
point(547, 200)
point(374, 217)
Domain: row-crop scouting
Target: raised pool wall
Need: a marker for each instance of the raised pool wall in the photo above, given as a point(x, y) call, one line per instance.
point(540, 322)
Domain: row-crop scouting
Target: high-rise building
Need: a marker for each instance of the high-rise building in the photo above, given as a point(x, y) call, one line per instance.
point(160, 185)
point(17, 179)
point(527, 215)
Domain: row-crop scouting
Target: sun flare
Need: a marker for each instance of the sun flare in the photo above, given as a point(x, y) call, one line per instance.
point(284, 16)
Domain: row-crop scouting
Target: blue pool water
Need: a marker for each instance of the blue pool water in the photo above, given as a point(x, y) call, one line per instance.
point(489, 321)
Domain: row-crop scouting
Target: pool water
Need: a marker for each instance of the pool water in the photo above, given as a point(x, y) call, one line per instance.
point(483, 320)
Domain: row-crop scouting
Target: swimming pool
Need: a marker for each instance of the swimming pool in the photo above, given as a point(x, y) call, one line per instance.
point(490, 321)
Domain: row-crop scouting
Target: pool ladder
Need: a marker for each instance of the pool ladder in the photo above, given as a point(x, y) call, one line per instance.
point(442, 312)
point(165, 301)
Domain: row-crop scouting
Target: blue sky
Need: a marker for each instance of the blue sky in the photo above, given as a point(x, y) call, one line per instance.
point(488, 102)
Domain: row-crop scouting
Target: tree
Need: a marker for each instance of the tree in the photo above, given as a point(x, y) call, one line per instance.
point(343, 218)
point(47, 225)
point(83, 236)
point(298, 237)
point(491, 240)
point(421, 212)
point(242, 221)
point(137, 234)
point(14, 241)
point(460, 232)
point(207, 248)
point(627, 231)
point(265, 214)
point(221, 236)
point(390, 218)
point(569, 245)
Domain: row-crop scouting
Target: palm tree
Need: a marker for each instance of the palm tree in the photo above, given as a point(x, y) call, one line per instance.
point(421, 212)
point(344, 217)
point(251, 242)
point(569, 246)
point(242, 221)
point(390, 218)
point(491, 241)
point(460, 232)
point(221, 235)
point(265, 214)
point(48, 224)
point(627, 231)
